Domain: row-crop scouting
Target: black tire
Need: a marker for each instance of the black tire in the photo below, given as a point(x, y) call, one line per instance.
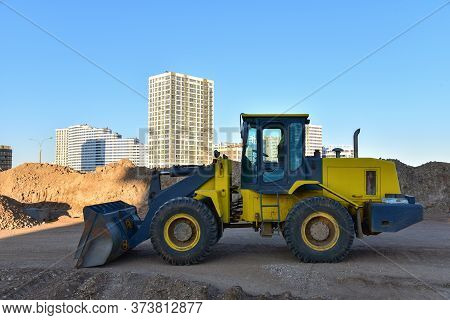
point(219, 230)
point(306, 209)
point(206, 222)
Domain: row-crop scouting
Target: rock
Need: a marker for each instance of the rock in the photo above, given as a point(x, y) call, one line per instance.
point(234, 293)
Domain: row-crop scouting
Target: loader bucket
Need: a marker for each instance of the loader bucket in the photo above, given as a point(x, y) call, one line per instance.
point(107, 230)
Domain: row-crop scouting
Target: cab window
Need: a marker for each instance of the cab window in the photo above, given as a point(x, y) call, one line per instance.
point(249, 158)
point(273, 154)
point(295, 146)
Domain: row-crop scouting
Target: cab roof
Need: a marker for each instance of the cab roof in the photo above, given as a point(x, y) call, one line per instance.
point(275, 115)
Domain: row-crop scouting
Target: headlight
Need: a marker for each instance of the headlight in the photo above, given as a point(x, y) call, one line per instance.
point(395, 200)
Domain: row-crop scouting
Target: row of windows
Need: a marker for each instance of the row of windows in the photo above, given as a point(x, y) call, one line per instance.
point(154, 98)
point(179, 81)
point(199, 102)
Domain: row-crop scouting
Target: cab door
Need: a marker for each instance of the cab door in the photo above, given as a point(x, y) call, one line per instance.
point(273, 154)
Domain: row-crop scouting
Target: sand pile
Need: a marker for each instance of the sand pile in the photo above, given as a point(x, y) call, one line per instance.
point(47, 183)
point(12, 215)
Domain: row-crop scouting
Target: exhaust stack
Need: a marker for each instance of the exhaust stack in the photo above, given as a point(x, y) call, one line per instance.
point(355, 142)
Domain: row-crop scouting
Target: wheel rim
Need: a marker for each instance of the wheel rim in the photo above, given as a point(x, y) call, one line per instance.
point(182, 232)
point(320, 231)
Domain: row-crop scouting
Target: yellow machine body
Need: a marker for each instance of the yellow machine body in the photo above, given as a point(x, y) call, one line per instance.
point(218, 189)
point(344, 180)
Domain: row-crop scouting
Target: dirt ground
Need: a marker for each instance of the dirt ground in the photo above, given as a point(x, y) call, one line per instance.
point(411, 264)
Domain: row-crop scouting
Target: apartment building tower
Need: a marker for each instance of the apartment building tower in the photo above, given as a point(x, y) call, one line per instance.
point(313, 139)
point(180, 120)
point(84, 148)
point(61, 146)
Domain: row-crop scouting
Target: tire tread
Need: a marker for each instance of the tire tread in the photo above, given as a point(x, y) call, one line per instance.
point(315, 202)
point(157, 226)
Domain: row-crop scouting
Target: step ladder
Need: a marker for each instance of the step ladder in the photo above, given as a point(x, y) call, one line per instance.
point(276, 205)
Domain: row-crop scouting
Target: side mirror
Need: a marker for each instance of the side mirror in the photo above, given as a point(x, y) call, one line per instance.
point(216, 154)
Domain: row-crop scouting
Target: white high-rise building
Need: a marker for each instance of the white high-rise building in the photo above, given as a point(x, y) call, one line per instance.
point(84, 148)
point(347, 151)
point(180, 120)
point(313, 139)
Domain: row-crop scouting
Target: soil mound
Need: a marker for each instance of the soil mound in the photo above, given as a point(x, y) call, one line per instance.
point(429, 183)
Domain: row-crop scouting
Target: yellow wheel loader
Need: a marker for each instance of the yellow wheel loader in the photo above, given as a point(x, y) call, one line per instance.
point(317, 204)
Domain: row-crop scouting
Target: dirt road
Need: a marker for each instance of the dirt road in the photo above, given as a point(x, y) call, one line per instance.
point(412, 264)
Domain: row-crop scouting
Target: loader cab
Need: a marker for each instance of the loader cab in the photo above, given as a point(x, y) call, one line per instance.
point(273, 151)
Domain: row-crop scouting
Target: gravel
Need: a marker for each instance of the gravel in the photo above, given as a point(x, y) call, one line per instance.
point(34, 283)
point(12, 215)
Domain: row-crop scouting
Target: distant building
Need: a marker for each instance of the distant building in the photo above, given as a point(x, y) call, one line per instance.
point(232, 150)
point(313, 139)
point(62, 141)
point(180, 120)
point(84, 148)
point(5, 158)
point(347, 152)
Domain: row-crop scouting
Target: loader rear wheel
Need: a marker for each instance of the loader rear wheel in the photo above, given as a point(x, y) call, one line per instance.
point(319, 229)
point(183, 231)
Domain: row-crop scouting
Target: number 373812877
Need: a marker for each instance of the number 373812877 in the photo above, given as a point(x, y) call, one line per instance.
point(166, 307)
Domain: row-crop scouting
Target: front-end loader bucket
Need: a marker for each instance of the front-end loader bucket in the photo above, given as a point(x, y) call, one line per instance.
point(108, 228)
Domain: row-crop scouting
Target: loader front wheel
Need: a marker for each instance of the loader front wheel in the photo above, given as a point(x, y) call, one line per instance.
point(319, 229)
point(183, 231)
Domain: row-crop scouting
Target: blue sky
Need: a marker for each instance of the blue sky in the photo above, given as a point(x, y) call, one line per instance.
point(263, 57)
